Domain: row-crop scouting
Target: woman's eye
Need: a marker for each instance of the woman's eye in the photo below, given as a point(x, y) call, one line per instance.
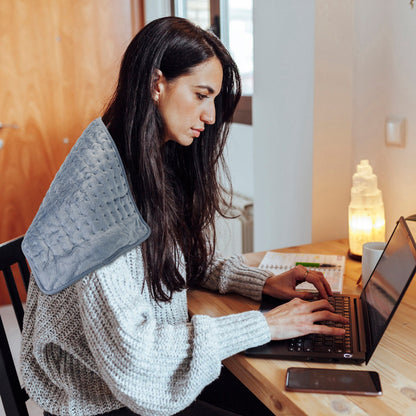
point(201, 96)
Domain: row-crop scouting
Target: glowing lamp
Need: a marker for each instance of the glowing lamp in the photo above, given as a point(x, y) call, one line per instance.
point(366, 210)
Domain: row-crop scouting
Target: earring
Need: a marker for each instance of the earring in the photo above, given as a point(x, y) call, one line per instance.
point(156, 98)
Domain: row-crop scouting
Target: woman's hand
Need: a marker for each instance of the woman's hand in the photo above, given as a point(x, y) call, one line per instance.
point(299, 317)
point(283, 286)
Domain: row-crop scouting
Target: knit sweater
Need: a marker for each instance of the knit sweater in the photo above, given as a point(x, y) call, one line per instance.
point(104, 343)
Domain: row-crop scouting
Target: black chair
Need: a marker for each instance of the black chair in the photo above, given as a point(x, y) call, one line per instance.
point(13, 396)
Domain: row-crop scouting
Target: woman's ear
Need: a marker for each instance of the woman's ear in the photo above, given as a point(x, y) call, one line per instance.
point(158, 81)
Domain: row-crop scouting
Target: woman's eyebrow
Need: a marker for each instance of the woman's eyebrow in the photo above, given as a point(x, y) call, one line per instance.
point(206, 87)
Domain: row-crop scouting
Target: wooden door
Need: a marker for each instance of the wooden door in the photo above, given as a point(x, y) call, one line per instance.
point(59, 64)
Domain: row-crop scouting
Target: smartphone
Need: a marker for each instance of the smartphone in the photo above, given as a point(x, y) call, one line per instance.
point(323, 380)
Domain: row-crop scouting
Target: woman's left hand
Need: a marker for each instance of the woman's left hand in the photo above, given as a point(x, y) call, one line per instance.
point(283, 286)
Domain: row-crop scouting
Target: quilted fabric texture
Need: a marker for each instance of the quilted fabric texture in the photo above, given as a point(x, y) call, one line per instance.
point(88, 216)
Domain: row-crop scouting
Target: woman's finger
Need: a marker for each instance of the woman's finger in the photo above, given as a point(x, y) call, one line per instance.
point(321, 304)
point(325, 315)
point(319, 281)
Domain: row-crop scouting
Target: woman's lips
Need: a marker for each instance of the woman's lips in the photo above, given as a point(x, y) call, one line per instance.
point(196, 132)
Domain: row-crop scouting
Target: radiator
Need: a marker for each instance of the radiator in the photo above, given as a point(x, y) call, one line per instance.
point(235, 236)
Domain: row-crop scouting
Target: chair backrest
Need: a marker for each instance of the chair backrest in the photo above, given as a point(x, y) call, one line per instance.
point(12, 394)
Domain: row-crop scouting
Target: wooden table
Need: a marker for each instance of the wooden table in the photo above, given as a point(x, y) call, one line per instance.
point(394, 358)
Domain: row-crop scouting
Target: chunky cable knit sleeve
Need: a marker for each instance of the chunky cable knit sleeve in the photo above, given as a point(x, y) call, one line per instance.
point(152, 359)
point(233, 275)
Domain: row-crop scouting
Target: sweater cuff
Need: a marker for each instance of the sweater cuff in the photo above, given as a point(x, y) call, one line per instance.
point(246, 280)
point(238, 332)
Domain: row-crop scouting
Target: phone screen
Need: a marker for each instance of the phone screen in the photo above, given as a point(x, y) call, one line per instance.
point(322, 380)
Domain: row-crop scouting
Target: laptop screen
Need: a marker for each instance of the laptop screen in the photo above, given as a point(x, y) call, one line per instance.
point(387, 284)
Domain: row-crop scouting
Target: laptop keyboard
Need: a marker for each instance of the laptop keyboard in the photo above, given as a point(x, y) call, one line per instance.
point(327, 343)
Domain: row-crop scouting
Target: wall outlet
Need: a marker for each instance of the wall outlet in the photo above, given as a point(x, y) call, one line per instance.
point(396, 131)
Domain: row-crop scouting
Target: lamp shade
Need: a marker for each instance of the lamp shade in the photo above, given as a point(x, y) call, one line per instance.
point(366, 210)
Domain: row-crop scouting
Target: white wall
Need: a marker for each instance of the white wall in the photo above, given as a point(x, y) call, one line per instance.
point(153, 9)
point(332, 152)
point(283, 122)
point(384, 73)
point(365, 69)
point(239, 156)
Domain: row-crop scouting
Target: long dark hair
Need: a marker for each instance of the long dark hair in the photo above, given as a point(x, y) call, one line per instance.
point(176, 188)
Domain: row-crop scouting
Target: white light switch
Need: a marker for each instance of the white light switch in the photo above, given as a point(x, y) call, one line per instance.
point(396, 131)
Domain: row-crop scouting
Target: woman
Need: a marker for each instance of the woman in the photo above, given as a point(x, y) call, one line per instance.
point(123, 232)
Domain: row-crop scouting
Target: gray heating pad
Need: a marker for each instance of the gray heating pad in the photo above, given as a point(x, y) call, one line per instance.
point(88, 216)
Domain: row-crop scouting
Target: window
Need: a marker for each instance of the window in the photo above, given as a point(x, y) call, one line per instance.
point(232, 21)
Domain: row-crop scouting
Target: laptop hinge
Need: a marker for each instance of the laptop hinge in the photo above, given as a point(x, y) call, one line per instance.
point(360, 324)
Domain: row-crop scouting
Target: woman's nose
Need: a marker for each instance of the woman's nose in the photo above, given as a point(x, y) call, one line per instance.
point(208, 115)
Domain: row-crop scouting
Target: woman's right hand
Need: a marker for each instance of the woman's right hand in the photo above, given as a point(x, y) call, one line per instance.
point(299, 317)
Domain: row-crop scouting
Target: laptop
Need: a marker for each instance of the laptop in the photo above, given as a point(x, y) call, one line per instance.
point(369, 314)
